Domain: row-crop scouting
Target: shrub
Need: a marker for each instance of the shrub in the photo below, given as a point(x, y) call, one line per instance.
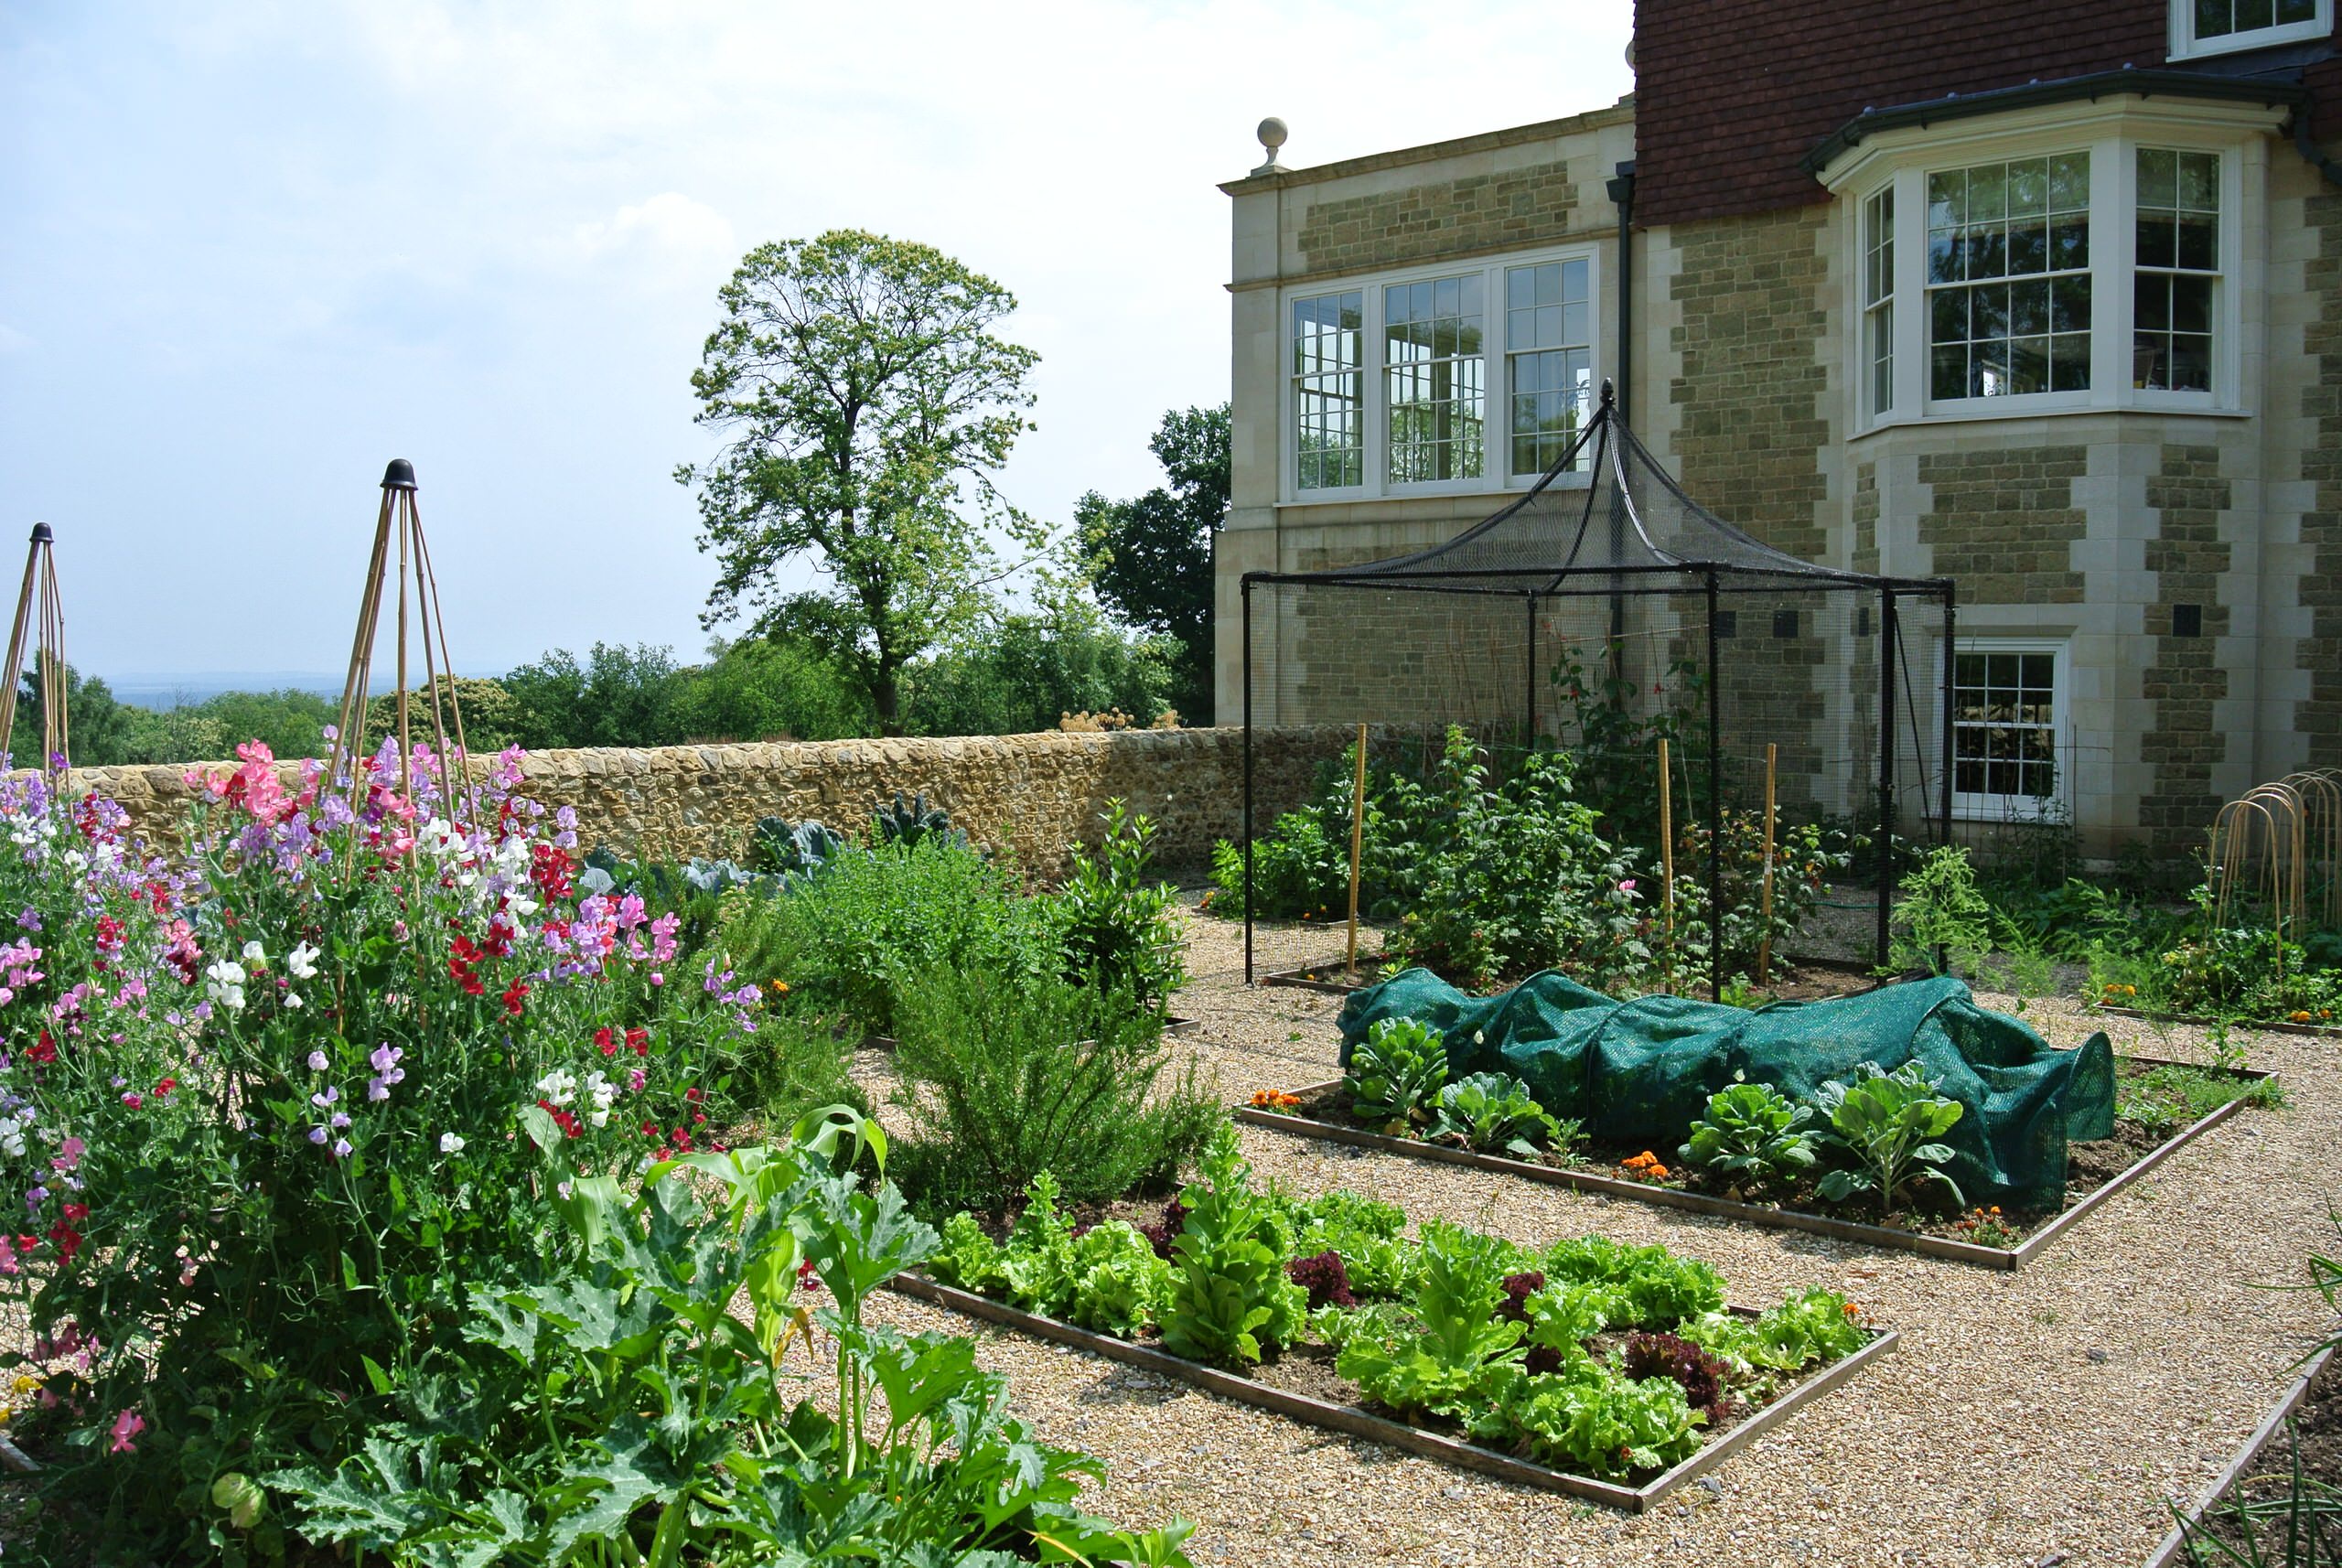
point(789, 1064)
point(853, 936)
point(1013, 1078)
point(1115, 923)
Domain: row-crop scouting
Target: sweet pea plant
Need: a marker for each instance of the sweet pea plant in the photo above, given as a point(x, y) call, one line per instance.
point(276, 1109)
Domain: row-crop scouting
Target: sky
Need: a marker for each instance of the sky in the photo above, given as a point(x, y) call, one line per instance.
point(251, 251)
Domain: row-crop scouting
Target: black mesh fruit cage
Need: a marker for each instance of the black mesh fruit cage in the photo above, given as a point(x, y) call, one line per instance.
point(1605, 599)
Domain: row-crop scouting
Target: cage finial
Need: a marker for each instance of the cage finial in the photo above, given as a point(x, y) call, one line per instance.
point(399, 475)
point(1609, 392)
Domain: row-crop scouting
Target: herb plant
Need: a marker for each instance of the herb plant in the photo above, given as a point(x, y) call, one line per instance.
point(1114, 921)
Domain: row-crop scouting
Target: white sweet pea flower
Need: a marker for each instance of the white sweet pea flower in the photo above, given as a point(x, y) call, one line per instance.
point(301, 964)
point(227, 984)
point(601, 1091)
point(559, 1085)
point(449, 1143)
point(292, 999)
point(255, 955)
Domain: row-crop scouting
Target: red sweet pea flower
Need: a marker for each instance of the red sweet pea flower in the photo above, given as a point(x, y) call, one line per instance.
point(43, 1049)
point(165, 1086)
point(514, 996)
point(607, 1041)
point(638, 1041)
point(68, 1240)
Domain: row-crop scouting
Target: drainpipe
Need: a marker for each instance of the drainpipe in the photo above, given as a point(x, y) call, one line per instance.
point(1621, 187)
point(2308, 149)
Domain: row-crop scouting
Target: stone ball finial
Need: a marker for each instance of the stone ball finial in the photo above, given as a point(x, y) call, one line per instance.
point(1271, 134)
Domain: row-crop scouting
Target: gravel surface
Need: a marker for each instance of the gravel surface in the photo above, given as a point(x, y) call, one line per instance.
point(2030, 1419)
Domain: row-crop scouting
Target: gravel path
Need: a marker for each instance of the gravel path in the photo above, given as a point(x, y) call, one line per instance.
point(2029, 1419)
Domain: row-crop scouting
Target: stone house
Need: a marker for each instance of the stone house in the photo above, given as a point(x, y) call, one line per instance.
point(2044, 297)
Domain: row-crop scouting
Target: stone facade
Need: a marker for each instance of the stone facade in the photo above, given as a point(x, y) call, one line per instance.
point(2319, 651)
point(2185, 680)
point(1029, 797)
point(2004, 522)
point(1746, 388)
point(1472, 212)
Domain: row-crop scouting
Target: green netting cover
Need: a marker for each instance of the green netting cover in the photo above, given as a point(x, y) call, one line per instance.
point(1639, 1072)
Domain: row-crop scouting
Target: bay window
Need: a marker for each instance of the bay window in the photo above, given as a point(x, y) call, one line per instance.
point(2064, 268)
point(1463, 378)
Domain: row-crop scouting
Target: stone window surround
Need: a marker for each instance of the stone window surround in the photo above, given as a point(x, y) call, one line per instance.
point(2112, 130)
point(2186, 45)
point(1968, 808)
point(1497, 390)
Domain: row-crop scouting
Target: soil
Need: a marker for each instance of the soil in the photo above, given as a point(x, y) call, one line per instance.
point(2090, 1166)
point(2313, 1435)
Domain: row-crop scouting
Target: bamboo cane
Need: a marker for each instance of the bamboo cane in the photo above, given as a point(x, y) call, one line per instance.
point(1764, 898)
point(1667, 861)
point(1357, 846)
point(17, 639)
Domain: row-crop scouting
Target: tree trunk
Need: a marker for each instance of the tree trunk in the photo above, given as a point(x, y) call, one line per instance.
point(887, 696)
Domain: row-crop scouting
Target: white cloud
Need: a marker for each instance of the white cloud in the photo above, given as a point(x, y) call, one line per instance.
point(671, 228)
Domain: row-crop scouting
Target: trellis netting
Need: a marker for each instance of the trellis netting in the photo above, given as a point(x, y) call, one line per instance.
point(1606, 608)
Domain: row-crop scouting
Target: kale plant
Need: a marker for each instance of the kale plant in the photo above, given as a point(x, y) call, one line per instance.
point(1395, 1074)
point(1493, 1110)
point(1886, 1125)
point(1751, 1130)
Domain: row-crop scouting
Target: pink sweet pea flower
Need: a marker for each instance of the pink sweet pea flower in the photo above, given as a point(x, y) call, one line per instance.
point(126, 1426)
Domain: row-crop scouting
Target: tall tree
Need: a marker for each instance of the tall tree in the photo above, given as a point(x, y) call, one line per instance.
point(869, 404)
point(1150, 558)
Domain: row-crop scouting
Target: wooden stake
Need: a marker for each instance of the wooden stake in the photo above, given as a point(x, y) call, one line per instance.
point(1667, 861)
point(1357, 846)
point(40, 612)
point(17, 648)
point(1765, 901)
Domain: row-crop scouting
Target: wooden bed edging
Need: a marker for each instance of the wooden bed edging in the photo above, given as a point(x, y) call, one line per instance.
point(2314, 1031)
point(1358, 1422)
point(1757, 1213)
point(1305, 977)
point(2168, 1555)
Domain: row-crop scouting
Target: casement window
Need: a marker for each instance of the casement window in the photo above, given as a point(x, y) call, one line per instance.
point(1878, 299)
point(2009, 278)
point(1456, 379)
point(2178, 266)
point(1329, 390)
point(2088, 272)
point(2200, 27)
point(2008, 722)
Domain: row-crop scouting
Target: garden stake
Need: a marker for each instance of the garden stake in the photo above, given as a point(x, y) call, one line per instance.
point(1667, 861)
point(1357, 844)
point(1765, 903)
point(39, 589)
point(398, 514)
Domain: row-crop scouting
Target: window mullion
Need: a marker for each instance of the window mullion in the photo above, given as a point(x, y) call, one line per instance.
point(1910, 291)
point(2113, 248)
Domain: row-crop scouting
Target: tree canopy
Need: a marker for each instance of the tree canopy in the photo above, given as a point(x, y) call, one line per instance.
point(1150, 558)
point(869, 404)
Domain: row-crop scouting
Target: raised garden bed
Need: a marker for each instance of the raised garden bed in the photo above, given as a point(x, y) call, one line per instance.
point(2317, 1031)
point(2306, 1425)
point(1349, 1419)
point(1329, 976)
point(1322, 1112)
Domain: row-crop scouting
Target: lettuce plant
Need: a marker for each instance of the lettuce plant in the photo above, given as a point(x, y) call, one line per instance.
point(1229, 1295)
point(1493, 1110)
point(1637, 1287)
point(1600, 1422)
point(1395, 1074)
point(1459, 1332)
point(1886, 1124)
point(1751, 1132)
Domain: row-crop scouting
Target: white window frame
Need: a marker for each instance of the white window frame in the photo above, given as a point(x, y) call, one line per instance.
point(1986, 808)
point(2113, 138)
point(2186, 45)
point(1495, 378)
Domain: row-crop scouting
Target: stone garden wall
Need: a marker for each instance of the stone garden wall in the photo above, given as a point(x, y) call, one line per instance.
point(1028, 796)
